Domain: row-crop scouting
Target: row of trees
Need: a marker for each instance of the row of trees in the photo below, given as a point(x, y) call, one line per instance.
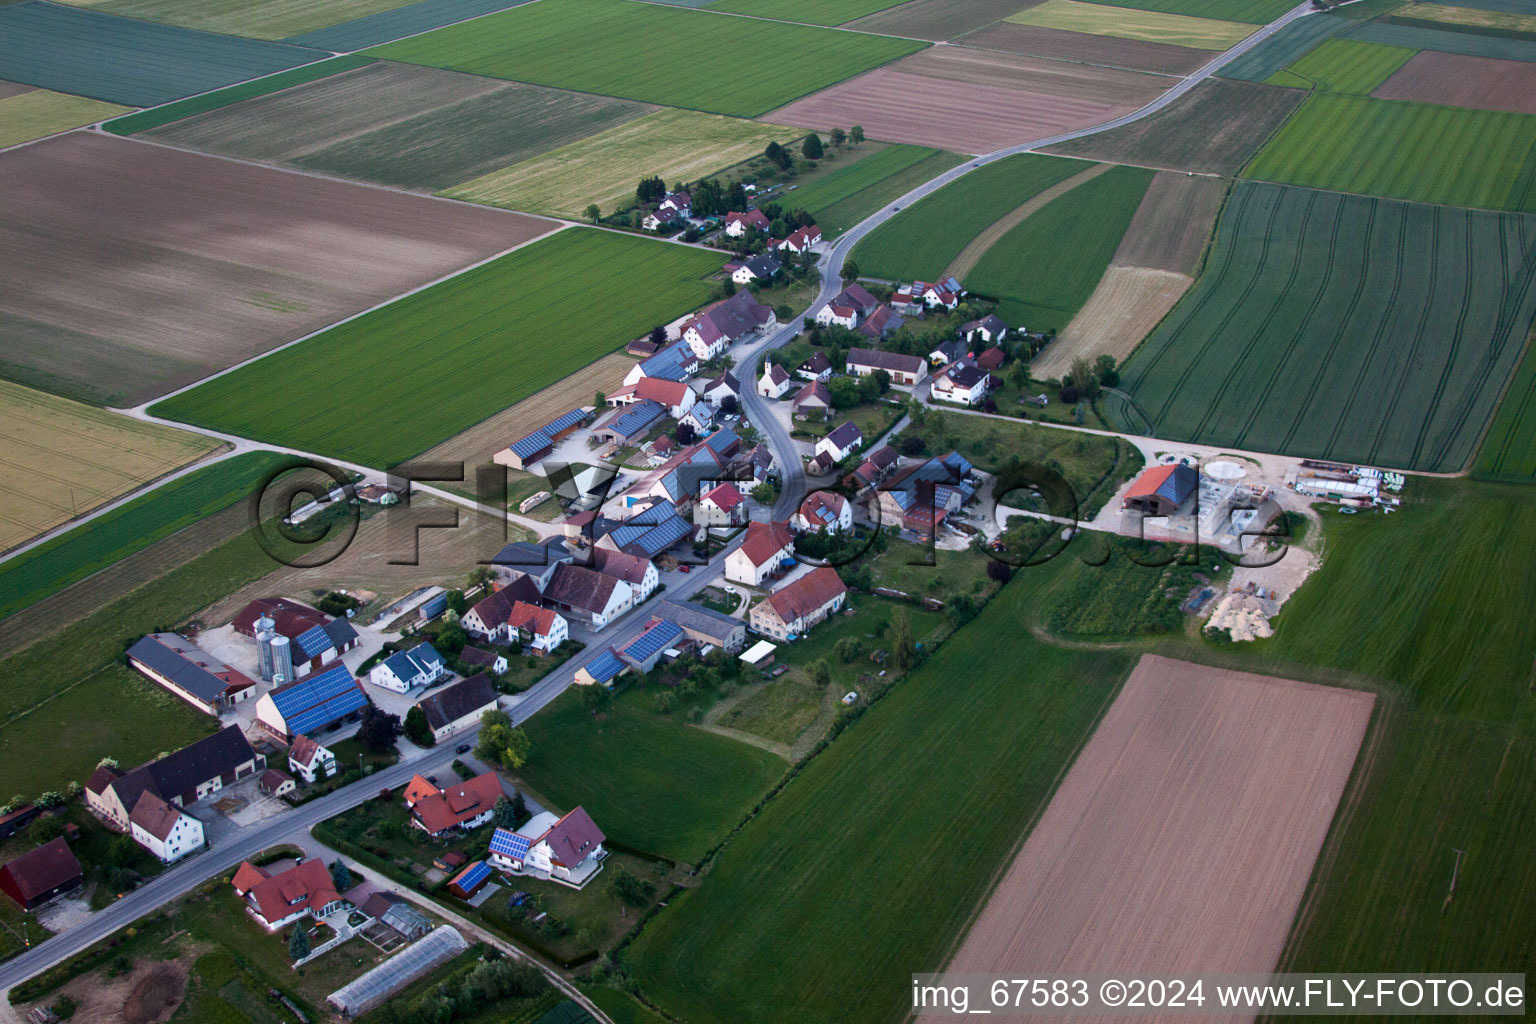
point(1087, 379)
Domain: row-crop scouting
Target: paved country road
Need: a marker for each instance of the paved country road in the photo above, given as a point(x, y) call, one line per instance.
point(252, 839)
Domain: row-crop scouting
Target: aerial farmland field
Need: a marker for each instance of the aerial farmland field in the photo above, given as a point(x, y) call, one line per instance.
point(809, 12)
point(1039, 282)
point(1147, 26)
point(928, 235)
point(1213, 128)
point(1113, 51)
point(122, 290)
point(397, 23)
point(1473, 19)
point(1257, 12)
point(1418, 37)
point(356, 391)
point(63, 459)
point(401, 124)
point(1285, 47)
point(258, 19)
point(1344, 65)
point(1173, 223)
point(603, 168)
point(120, 60)
point(936, 19)
point(1405, 151)
point(1311, 300)
point(1457, 80)
point(1508, 452)
point(35, 113)
point(588, 45)
point(853, 192)
point(979, 100)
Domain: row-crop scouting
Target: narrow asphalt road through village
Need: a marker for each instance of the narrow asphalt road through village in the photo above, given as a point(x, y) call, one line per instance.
point(251, 839)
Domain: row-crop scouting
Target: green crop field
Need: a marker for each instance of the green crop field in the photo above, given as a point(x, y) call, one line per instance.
point(1343, 327)
point(1285, 47)
point(1147, 26)
point(1508, 451)
point(1043, 283)
point(1344, 65)
point(120, 60)
point(38, 112)
point(397, 23)
point(809, 12)
point(1415, 151)
point(259, 19)
point(591, 46)
point(923, 239)
point(656, 783)
point(390, 384)
point(1257, 12)
point(1418, 37)
point(144, 120)
point(849, 194)
point(49, 568)
point(785, 928)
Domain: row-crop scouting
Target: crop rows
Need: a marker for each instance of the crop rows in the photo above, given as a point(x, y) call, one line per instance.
point(849, 194)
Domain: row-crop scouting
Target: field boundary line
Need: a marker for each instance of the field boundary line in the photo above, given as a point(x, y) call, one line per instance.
point(966, 259)
point(1060, 60)
point(423, 32)
point(800, 24)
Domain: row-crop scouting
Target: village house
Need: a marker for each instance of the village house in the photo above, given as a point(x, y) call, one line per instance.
point(712, 331)
point(761, 461)
point(992, 359)
point(799, 240)
point(652, 529)
point(774, 381)
point(812, 401)
point(189, 672)
point(626, 426)
point(722, 387)
point(164, 829)
point(737, 225)
point(602, 670)
point(639, 572)
point(677, 202)
point(1160, 491)
point(182, 778)
point(404, 670)
point(310, 705)
point(487, 618)
point(458, 707)
point(761, 267)
point(843, 441)
point(480, 658)
point(817, 367)
point(761, 551)
point(275, 783)
point(462, 806)
point(676, 361)
point(875, 468)
point(280, 894)
point(658, 219)
point(591, 596)
point(988, 330)
point(677, 480)
point(823, 511)
point(946, 352)
point(535, 561)
point(921, 295)
point(904, 370)
point(918, 498)
point(567, 849)
point(723, 505)
point(962, 384)
point(700, 419)
point(674, 396)
point(309, 759)
point(848, 307)
point(881, 324)
point(41, 874)
point(542, 629)
point(315, 639)
point(705, 626)
point(800, 604)
point(530, 448)
point(646, 650)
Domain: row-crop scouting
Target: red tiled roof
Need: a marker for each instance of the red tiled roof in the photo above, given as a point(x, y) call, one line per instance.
point(306, 885)
point(248, 877)
point(807, 593)
point(629, 568)
point(459, 803)
point(154, 815)
point(303, 750)
point(991, 359)
point(814, 391)
point(765, 541)
point(416, 790)
point(660, 390)
point(1150, 481)
point(531, 617)
point(724, 497)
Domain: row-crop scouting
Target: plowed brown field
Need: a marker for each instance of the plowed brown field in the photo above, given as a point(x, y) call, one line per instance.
point(974, 101)
point(1172, 223)
point(1182, 838)
point(134, 268)
point(1456, 80)
point(1088, 48)
point(938, 19)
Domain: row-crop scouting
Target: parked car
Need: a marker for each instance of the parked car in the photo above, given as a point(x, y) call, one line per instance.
point(729, 589)
point(463, 748)
point(850, 696)
point(432, 779)
point(684, 568)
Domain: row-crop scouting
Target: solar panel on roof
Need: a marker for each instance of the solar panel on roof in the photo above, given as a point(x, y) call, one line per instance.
point(335, 709)
point(570, 419)
point(534, 442)
point(473, 876)
point(314, 641)
point(509, 844)
point(664, 536)
point(313, 691)
point(604, 667)
point(658, 638)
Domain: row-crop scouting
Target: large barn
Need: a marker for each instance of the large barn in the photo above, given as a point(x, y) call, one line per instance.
point(1162, 489)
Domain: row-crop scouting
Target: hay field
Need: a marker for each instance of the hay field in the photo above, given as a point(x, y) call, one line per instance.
point(700, 61)
point(975, 100)
point(1113, 51)
point(1214, 128)
point(1125, 306)
point(1148, 26)
point(259, 19)
point(62, 459)
point(120, 289)
point(1472, 18)
point(937, 19)
point(1457, 80)
point(1173, 223)
point(403, 125)
point(1182, 838)
point(603, 168)
point(37, 112)
point(1409, 151)
point(1344, 327)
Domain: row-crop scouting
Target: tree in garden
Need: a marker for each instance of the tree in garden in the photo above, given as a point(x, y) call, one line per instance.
point(812, 148)
point(378, 730)
point(658, 335)
point(1084, 379)
point(505, 745)
point(1104, 368)
point(778, 156)
point(450, 640)
point(839, 136)
point(960, 609)
point(685, 434)
point(298, 942)
point(596, 698)
point(506, 813)
point(417, 729)
point(520, 809)
point(729, 405)
point(765, 493)
point(820, 672)
point(848, 649)
point(341, 875)
point(856, 133)
point(736, 195)
point(458, 602)
point(624, 886)
point(594, 214)
point(902, 651)
point(850, 270)
point(844, 392)
point(651, 190)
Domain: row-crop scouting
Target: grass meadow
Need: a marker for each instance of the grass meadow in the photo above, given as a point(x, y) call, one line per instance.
point(655, 783)
point(1285, 47)
point(1508, 451)
point(1343, 327)
point(1415, 151)
point(1038, 281)
point(1125, 23)
point(388, 385)
point(809, 12)
point(591, 46)
point(849, 194)
point(1257, 12)
point(1344, 65)
point(38, 112)
point(923, 239)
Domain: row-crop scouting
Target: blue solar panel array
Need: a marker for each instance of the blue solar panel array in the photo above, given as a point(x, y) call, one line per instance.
point(670, 362)
point(332, 710)
point(320, 700)
point(656, 513)
point(658, 638)
point(509, 844)
point(544, 437)
point(474, 876)
point(314, 642)
point(641, 415)
point(605, 666)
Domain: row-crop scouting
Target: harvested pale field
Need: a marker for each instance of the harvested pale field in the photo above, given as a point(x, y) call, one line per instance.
point(1472, 18)
point(1457, 80)
point(976, 248)
point(1214, 128)
point(476, 445)
point(975, 101)
point(133, 269)
point(938, 19)
point(1173, 223)
point(34, 113)
point(1182, 838)
point(400, 124)
point(1087, 48)
point(61, 459)
point(1148, 26)
point(678, 145)
point(1123, 309)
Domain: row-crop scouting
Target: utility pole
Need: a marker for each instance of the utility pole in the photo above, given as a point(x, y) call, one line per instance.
point(1455, 871)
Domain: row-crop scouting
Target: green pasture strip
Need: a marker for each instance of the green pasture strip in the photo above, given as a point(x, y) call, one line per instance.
point(807, 12)
point(144, 120)
point(1042, 282)
point(1255, 12)
point(107, 539)
point(849, 194)
point(923, 239)
point(597, 46)
point(1345, 65)
point(1343, 327)
point(393, 383)
point(638, 771)
point(1402, 150)
point(1508, 451)
point(1469, 43)
point(1284, 48)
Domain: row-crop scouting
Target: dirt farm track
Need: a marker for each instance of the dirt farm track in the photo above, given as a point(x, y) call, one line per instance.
point(1182, 838)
